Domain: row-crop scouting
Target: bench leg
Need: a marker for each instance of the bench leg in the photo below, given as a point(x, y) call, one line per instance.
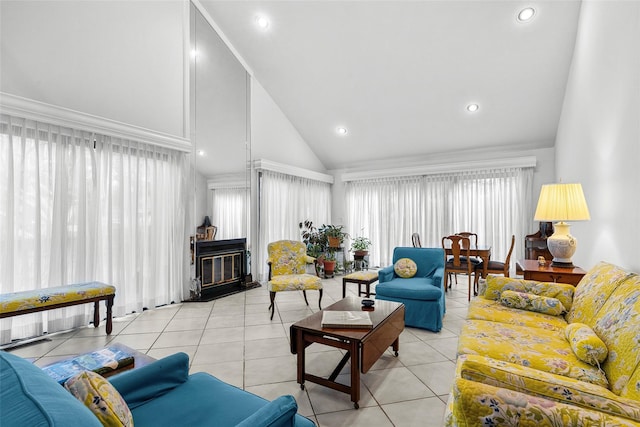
point(109, 307)
point(96, 314)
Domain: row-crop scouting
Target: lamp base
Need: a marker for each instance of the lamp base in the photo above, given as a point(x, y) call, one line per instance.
point(560, 264)
point(562, 246)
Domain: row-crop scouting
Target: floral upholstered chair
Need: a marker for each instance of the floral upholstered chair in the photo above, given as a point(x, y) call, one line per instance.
point(287, 261)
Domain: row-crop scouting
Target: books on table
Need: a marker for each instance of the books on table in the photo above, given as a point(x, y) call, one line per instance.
point(100, 361)
point(346, 319)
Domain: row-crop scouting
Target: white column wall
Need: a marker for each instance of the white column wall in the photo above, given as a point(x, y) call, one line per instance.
point(598, 141)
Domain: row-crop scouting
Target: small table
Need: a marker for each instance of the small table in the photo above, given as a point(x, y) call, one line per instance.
point(364, 346)
point(364, 277)
point(531, 270)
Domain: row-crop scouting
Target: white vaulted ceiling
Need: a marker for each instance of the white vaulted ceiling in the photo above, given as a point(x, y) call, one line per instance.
point(400, 74)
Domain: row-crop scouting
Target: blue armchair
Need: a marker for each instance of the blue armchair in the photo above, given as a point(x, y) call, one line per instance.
point(422, 294)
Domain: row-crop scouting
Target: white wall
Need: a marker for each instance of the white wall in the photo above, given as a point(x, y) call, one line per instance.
point(273, 137)
point(121, 60)
point(598, 141)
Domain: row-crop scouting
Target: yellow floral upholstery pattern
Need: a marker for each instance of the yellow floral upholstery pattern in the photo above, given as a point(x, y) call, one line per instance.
point(546, 351)
point(517, 367)
point(496, 284)
point(405, 268)
point(288, 260)
point(586, 344)
point(593, 291)
point(532, 302)
point(18, 301)
point(101, 398)
point(483, 309)
point(477, 404)
point(561, 389)
point(294, 282)
point(618, 325)
point(362, 275)
point(288, 257)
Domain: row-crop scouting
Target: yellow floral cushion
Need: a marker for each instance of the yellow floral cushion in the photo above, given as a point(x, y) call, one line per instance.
point(548, 351)
point(618, 325)
point(101, 398)
point(476, 404)
point(495, 285)
point(555, 387)
point(288, 257)
point(17, 301)
point(362, 275)
point(294, 282)
point(483, 309)
point(405, 268)
point(532, 302)
point(586, 344)
point(593, 291)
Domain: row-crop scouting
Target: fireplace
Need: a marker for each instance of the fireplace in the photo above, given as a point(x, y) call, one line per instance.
point(221, 267)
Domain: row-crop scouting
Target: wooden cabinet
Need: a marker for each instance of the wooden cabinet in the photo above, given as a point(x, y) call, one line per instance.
point(531, 270)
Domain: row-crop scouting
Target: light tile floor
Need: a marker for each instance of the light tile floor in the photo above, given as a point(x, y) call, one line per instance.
point(233, 339)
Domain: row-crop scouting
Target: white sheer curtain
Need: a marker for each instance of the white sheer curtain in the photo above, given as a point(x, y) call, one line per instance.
point(284, 202)
point(492, 203)
point(77, 206)
point(230, 212)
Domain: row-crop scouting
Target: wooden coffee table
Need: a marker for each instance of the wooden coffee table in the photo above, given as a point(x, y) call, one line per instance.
point(364, 346)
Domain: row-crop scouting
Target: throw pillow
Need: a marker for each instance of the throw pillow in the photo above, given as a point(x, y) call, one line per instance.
point(101, 398)
point(532, 302)
point(405, 268)
point(586, 345)
point(497, 284)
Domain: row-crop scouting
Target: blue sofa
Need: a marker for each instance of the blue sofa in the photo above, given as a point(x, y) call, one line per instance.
point(159, 394)
point(422, 294)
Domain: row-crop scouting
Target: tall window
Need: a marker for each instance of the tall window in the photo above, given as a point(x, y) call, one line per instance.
point(230, 212)
point(492, 203)
point(76, 207)
point(285, 201)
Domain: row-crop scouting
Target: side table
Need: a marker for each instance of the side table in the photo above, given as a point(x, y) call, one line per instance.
point(531, 270)
point(364, 277)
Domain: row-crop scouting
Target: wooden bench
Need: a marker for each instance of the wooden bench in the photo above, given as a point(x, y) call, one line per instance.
point(17, 303)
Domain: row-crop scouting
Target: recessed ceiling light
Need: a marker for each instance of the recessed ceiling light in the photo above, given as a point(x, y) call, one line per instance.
point(201, 153)
point(342, 131)
point(263, 22)
point(472, 108)
point(526, 14)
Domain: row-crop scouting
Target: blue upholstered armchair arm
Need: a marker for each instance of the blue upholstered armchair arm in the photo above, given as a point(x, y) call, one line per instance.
point(438, 277)
point(141, 385)
point(386, 274)
point(277, 413)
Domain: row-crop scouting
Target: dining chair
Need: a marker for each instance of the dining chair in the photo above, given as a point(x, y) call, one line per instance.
point(496, 267)
point(473, 242)
point(415, 239)
point(458, 261)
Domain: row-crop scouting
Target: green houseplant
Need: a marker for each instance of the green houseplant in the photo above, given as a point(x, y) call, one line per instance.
point(360, 246)
point(334, 234)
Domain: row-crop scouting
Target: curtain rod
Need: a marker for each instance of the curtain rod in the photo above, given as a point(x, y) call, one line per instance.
point(269, 165)
point(474, 165)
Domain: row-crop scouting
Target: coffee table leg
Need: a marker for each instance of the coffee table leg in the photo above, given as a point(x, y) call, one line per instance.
point(396, 346)
point(355, 374)
point(300, 351)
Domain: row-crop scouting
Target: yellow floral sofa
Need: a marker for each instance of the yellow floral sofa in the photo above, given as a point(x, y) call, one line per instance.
point(525, 367)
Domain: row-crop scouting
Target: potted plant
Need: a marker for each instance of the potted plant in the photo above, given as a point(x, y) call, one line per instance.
point(329, 262)
point(360, 246)
point(334, 234)
point(313, 238)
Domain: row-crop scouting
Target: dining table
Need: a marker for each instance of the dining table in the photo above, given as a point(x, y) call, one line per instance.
point(481, 251)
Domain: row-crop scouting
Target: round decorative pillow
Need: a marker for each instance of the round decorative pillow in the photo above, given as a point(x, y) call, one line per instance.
point(405, 268)
point(586, 345)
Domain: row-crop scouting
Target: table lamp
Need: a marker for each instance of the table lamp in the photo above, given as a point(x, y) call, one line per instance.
point(562, 202)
